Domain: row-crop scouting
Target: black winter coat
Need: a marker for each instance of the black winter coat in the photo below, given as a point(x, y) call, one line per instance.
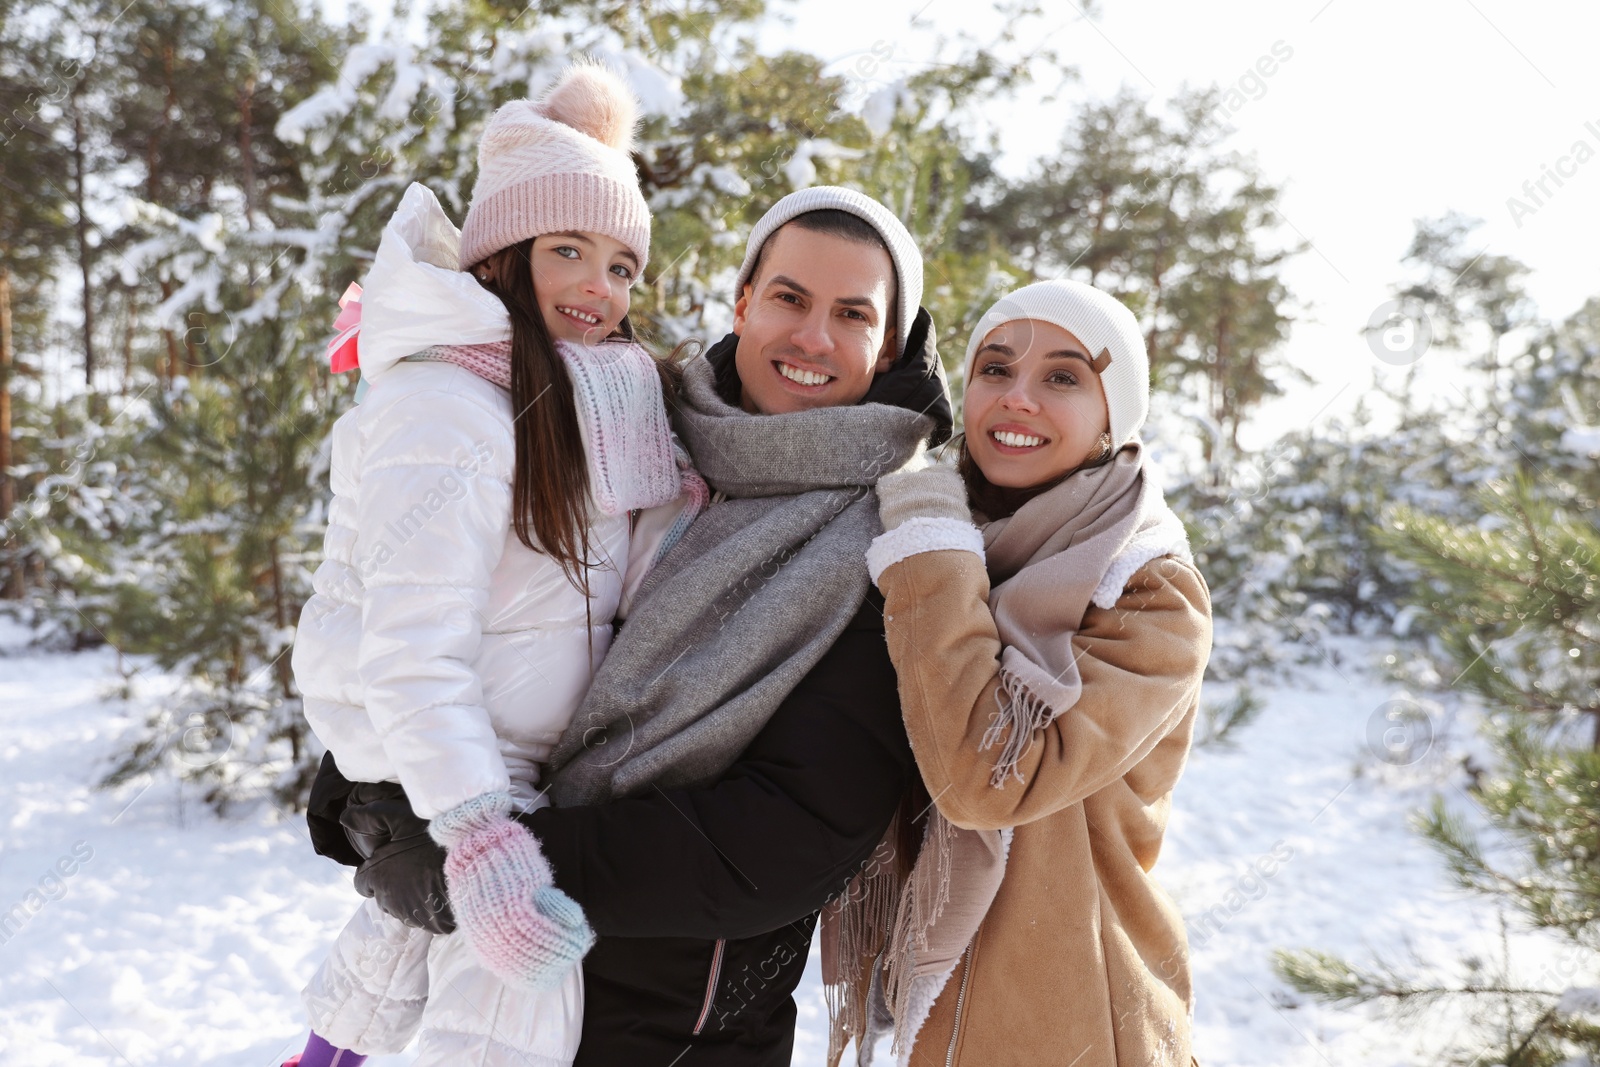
point(705, 898)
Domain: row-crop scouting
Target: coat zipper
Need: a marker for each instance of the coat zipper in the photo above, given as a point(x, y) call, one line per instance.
point(711, 985)
point(961, 996)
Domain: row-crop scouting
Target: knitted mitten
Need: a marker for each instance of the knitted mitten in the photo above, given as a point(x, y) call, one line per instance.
point(522, 927)
point(922, 511)
point(928, 493)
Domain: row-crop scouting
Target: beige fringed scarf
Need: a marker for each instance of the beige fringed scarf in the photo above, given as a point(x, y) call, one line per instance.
point(1074, 545)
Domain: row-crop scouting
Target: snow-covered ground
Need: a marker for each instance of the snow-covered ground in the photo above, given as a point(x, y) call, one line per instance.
point(144, 930)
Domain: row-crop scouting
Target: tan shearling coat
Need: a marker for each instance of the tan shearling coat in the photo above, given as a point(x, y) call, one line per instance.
point(1082, 959)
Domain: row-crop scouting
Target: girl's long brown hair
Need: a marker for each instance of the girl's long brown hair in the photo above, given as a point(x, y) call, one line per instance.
point(550, 482)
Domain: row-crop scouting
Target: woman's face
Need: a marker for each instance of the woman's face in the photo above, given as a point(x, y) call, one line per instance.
point(582, 283)
point(1034, 406)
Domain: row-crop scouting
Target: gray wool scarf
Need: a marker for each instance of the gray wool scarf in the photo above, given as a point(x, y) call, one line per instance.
point(742, 608)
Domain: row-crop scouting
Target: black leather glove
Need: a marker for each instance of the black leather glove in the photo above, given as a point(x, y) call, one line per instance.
point(330, 792)
point(402, 868)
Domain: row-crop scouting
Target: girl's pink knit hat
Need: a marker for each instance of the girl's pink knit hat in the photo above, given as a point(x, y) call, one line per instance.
point(563, 163)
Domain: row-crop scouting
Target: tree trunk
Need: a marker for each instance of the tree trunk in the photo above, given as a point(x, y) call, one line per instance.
point(284, 667)
point(169, 370)
point(246, 154)
point(1220, 408)
point(1152, 339)
point(1102, 207)
point(80, 197)
point(152, 193)
point(1493, 360)
point(1158, 272)
point(127, 341)
point(8, 487)
point(1222, 412)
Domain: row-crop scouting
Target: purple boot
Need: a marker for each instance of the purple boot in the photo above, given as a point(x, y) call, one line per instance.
point(319, 1053)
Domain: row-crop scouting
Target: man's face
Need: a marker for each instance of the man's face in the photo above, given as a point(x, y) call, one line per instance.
point(814, 323)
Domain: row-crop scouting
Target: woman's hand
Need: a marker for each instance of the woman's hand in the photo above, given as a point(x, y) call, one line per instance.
point(930, 492)
point(923, 510)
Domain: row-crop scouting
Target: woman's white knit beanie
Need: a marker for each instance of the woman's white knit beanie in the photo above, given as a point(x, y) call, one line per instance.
point(903, 250)
point(1104, 325)
point(563, 163)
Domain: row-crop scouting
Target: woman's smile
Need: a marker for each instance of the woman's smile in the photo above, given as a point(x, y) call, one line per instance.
point(1011, 439)
point(1034, 408)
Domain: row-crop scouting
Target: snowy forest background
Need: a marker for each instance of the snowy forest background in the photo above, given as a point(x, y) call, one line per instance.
point(186, 188)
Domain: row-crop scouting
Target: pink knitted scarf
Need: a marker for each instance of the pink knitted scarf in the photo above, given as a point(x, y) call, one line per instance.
point(634, 461)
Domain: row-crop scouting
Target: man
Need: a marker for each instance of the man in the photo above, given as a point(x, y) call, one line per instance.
point(741, 751)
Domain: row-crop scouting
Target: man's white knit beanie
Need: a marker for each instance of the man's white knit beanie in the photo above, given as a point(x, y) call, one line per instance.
point(1104, 325)
point(902, 249)
point(562, 163)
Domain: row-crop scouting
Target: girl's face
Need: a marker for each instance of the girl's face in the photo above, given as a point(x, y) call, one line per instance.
point(1034, 406)
point(582, 282)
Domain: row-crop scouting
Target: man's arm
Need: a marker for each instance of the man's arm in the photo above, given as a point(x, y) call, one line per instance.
point(780, 832)
point(769, 842)
point(330, 793)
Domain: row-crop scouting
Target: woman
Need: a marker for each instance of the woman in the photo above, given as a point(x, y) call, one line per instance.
point(1050, 711)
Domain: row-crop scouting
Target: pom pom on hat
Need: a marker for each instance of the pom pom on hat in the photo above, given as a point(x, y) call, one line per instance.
point(561, 163)
point(593, 101)
point(1104, 325)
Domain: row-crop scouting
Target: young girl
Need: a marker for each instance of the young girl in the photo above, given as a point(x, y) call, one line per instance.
point(1049, 662)
point(480, 541)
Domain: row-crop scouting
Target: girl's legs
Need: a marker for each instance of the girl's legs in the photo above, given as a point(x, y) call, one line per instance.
point(319, 1053)
point(473, 1017)
point(368, 995)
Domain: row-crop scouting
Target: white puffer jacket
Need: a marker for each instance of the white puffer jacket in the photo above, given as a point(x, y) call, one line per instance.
point(438, 650)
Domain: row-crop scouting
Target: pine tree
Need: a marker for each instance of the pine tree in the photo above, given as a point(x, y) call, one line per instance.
point(1510, 602)
point(199, 566)
point(1471, 297)
point(1156, 209)
point(37, 72)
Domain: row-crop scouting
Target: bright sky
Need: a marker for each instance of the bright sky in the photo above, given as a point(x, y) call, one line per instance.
point(1386, 111)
